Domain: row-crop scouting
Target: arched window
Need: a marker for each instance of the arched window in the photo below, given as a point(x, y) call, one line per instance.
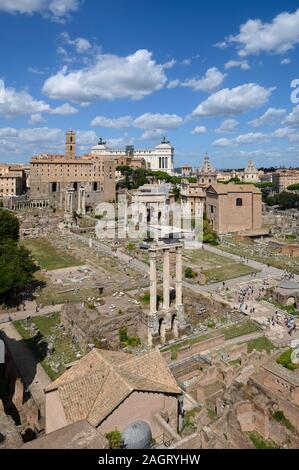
point(239, 201)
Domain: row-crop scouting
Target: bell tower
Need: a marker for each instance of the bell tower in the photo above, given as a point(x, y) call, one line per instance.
point(70, 145)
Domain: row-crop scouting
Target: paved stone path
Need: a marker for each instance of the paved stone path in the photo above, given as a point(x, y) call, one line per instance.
point(265, 271)
point(32, 373)
point(30, 311)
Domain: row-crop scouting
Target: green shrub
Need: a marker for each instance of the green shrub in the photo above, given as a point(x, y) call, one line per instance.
point(134, 341)
point(285, 360)
point(127, 340)
point(130, 246)
point(174, 354)
point(123, 334)
point(115, 439)
point(97, 343)
point(146, 298)
point(189, 273)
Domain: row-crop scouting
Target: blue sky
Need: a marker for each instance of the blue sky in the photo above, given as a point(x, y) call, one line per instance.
point(212, 76)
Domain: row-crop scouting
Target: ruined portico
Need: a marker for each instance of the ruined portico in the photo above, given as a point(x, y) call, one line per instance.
point(169, 321)
point(69, 196)
point(81, 201)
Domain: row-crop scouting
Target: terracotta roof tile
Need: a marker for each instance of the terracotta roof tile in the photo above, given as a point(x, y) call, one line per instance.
point(102, 379)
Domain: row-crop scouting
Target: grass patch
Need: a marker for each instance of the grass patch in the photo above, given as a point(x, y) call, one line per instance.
point(49, 331)
point(260, 442)
point(189, 420)
point(229, 333)
point(244, 328)
point(285, 360)
point(280, 418)
point(217, 268)
point(51, 294)
point(47, 256)
point(190, 342)
point(228, 272)
point(252, 250)
point(260, 344)
point(235, 362)
point(211, 413)
point(290, 309)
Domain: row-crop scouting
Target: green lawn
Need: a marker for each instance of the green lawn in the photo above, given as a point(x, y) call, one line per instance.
point(264, 254)
point(49, 332)
point(260, 442)
point(216, 268)
point(280, 418)
point(230, 332)
point(260, 344)
point(47, 256)
point(242, 329)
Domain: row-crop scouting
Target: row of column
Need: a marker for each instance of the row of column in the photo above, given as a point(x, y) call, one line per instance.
point(81, 201)
point(30, 205)
point(166, 280)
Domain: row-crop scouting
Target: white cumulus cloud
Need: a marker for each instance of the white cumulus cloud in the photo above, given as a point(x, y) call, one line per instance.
point(36, 119)
point(57, 10)
point(158, 121)
point(199, 130)
point(221, 142)
point(115, 123)
point(152, 134)
point(271, 116)
point(173, 83)
point(134, 77)
point(16, 103)
point(209, 82)
point(233, 101)
point(243, 64)
point(292, 119)
point(278, 36)
point(228, 125)
point(81, 44)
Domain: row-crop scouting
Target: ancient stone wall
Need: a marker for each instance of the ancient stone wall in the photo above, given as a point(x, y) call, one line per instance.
point(197, 348)
point(85, 330)
point(290, 410)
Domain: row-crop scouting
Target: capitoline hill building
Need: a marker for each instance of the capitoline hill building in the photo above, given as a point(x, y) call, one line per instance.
point(70, 182)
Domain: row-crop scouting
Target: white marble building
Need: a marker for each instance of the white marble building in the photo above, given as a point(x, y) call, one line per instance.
point(160, 158)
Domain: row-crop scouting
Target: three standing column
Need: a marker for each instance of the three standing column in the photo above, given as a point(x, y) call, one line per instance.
point(153, 283)
point(178, 283)
point(166, 274)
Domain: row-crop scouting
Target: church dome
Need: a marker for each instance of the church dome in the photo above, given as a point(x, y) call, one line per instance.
point(137, 435)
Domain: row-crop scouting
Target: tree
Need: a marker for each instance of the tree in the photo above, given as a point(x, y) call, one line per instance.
point(176, 190)
point(9, 226)
point(16, 269)
point(293, 187)
point(284, 200)
point(209, 235)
